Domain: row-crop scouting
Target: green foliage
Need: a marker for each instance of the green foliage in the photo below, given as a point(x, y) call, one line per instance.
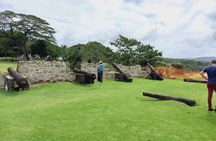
point(90, 52)
point(8, 48)
point(8, 59)
point(53, 50)
point(21, 27)
point(126, 49)
point(43, 49)
point(95, 51)
point(177, 65)
point(131, 52)
point(63, 52)
point(74, 56)
point(4, 64)
point(147, 54)
point(187, 64)
point(117, 111)
point(39, 48)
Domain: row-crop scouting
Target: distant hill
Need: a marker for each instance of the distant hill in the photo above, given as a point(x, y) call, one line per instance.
point(204, 59)
point(188, 63)
point(201, 59)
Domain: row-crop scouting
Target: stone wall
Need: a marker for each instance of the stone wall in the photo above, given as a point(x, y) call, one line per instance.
point(1, 80)
point(91, 67)
point(45, 71)
point(134, 71)
point(51, 71)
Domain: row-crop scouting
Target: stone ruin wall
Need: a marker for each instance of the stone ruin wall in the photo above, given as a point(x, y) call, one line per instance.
point(91, 67)
point(45, 71)
point(134, 71)
point(51, 71)
point(1, 80)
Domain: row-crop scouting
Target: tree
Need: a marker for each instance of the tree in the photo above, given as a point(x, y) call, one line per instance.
point(126, 49)
point(74, 56)
point(43, 49)
point(95, 51)
point(21, 27)
point(147, 54)
point(53, 50)
point(8, 48)
point(132, 51)
point(39, 48)
point(90, 52)
point(63, 52)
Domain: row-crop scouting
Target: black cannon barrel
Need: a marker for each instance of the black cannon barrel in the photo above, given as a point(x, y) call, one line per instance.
point(88, 74)
point(127, 77)
point(21, 81)
point(162, 97)
point(151, 67)
point(153, 74)
point(196, 81)
point(117, 68)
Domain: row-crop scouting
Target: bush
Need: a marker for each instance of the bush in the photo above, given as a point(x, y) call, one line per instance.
point(9, 59)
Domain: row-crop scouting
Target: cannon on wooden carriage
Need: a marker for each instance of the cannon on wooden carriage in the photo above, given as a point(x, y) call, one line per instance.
point(153, 75)
point(120, 75)
point(84, 77)
point(20, 80)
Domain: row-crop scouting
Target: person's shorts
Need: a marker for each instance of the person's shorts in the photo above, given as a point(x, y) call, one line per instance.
point(211, 86)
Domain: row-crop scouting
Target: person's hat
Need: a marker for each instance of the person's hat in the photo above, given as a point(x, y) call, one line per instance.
point(100, 62)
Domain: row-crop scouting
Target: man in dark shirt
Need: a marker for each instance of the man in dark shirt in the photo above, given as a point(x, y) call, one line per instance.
point(211, 85)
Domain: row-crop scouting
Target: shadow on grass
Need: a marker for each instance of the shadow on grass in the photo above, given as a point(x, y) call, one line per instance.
point(82, 85)
point(210, 117)
point(142, 99)
point(11, 94)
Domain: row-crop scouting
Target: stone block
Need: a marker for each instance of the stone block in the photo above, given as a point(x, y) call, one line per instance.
point(1, 80)
point(9, 83)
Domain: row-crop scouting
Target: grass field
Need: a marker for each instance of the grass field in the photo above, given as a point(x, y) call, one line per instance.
point(116, 112)
point(4, 65)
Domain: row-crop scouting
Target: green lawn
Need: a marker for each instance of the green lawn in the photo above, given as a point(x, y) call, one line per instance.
point(4, 65)
point(116, 112)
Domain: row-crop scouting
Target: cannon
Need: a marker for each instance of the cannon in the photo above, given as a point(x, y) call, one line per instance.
point(84, 77)
point(162, 97)
point(153, 75)
point(196, 81)
point(120, 75)
point(20, 80)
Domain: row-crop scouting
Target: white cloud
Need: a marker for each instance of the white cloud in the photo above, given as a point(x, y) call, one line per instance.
point(179, 28)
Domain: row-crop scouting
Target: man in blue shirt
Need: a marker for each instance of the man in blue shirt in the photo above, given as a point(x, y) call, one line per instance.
point(100, 70)
point(211, 85)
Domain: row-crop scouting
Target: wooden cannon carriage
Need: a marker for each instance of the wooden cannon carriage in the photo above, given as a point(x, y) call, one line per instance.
point(153, 75)
point(120, 75)
point(14, 76)
point(84, 77)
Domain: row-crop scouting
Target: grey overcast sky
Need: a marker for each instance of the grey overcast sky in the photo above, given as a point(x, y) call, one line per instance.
point(178, 28)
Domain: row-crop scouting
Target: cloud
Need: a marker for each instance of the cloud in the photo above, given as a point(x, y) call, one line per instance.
point(180, 28)
point(5, 5)
point(134, 1)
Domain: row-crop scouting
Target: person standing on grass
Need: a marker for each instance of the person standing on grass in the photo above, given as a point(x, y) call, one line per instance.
point(100, 70)
point(211, 85)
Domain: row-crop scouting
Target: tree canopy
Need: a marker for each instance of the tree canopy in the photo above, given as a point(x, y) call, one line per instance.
point(21, 27)
point(132, 51)
point(28, 34)
point(90, 52)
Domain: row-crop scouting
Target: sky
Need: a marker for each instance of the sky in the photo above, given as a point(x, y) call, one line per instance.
point(178, 28)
